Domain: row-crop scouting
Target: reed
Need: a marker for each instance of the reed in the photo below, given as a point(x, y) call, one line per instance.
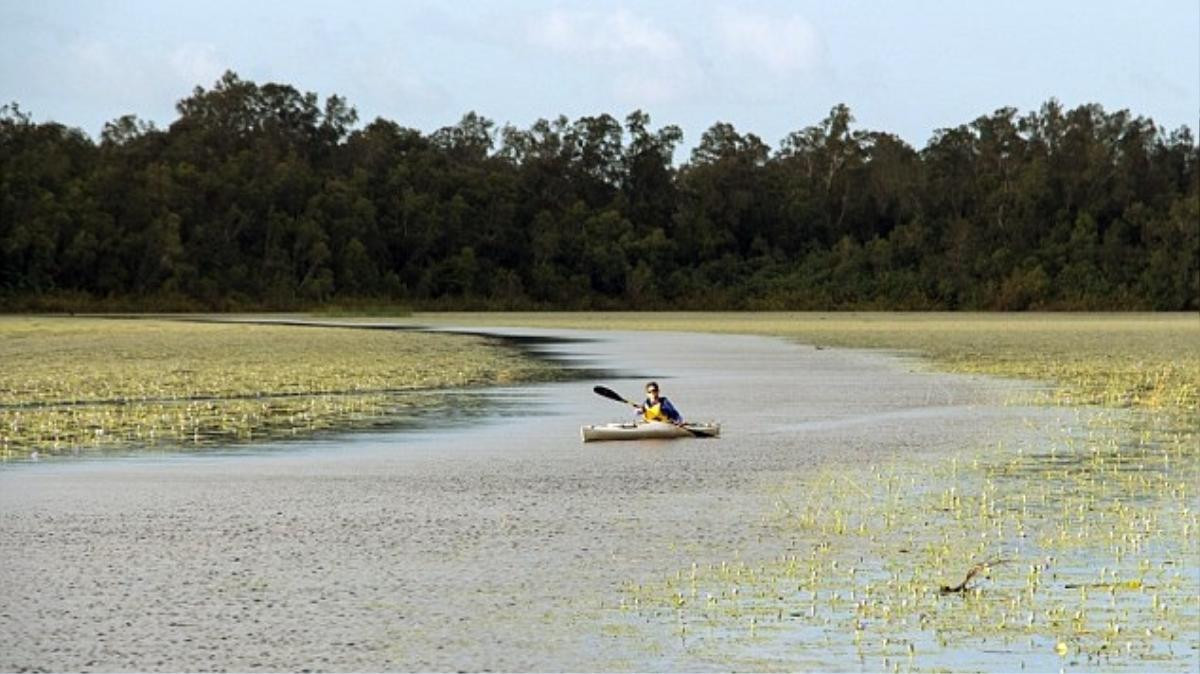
point(70, 385)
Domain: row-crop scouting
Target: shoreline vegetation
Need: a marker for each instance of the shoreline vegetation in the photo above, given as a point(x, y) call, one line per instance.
point(291, 204)
point(73, 385)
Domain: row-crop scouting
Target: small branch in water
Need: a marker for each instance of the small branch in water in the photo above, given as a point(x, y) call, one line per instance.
point(982, 567)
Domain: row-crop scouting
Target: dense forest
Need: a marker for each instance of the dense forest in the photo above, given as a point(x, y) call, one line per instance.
point(265, 197)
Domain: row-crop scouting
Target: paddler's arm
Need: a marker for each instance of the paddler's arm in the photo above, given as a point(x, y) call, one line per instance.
point(672, 413)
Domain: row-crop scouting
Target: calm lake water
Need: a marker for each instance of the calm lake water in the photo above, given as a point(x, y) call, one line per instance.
point(491, 537)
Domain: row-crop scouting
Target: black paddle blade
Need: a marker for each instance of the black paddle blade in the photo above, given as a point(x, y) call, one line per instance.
point(609, 393)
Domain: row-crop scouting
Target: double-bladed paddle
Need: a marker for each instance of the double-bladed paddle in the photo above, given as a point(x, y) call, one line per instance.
point(611, 394)
point(606, 392)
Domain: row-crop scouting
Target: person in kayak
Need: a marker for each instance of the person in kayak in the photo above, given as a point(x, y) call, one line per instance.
point(658, 408)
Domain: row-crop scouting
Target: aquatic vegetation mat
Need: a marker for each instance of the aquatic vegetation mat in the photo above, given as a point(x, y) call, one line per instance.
point(1078, 553)
point(80, 384)
point(1147, 361)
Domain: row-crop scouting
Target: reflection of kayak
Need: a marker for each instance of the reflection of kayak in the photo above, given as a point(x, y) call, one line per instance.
point(649, 430)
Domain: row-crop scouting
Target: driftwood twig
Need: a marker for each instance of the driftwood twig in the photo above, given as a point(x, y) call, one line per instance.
point(982, 567)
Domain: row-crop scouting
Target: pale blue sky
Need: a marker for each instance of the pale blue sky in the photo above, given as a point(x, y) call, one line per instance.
point(768, 67)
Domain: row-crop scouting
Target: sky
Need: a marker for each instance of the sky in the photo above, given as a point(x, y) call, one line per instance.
point(768, 68)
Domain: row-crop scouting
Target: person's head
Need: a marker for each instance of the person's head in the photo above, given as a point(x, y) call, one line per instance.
point(652, 390)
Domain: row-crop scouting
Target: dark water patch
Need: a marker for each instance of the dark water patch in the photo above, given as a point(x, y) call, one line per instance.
point(545, 348)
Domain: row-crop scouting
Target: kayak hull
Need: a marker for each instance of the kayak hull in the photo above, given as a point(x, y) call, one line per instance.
point(654, 430)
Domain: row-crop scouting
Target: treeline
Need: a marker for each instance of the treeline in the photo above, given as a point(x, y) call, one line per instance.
point(262, 196)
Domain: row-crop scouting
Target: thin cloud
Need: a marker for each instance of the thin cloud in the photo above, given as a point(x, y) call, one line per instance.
point(95, 65)
point(619, 33)
point(643, 62)
point(122, 79)
point(649, 88)
point(784, 45)
point(194, 63)
point(113, 75)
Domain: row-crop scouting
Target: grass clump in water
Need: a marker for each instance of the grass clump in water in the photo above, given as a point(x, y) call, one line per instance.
point(1083, 550)
point(76, 383)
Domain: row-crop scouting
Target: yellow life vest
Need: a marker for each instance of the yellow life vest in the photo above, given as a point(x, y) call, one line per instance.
point(654, 413)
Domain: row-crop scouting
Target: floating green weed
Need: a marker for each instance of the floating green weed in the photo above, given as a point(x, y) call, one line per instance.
point(71, 384)
point(1081, 551)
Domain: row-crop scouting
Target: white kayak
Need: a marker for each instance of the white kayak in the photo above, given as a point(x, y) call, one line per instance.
point(648, 430)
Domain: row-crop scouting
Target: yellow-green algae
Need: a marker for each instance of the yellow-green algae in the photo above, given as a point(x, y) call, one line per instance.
point(76, 383)
point(1081, 545)
point(1086, 547)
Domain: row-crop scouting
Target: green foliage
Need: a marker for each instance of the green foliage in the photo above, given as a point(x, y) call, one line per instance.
point(263, 197)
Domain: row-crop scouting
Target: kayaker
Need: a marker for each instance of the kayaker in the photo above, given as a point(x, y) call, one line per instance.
point(658, 408)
